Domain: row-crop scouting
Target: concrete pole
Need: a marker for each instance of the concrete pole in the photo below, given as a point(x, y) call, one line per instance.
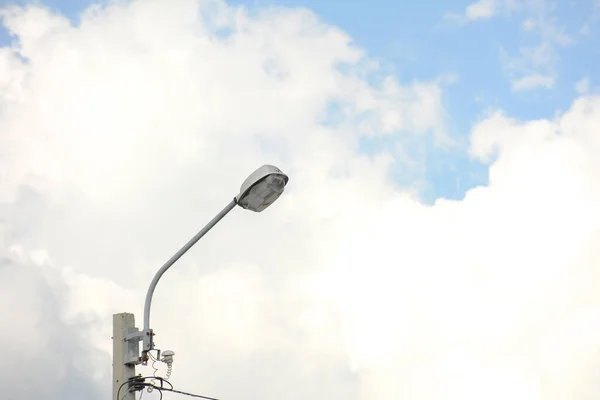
point(121, 372)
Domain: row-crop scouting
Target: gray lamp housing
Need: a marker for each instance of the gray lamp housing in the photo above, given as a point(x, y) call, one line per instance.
point(261, 188)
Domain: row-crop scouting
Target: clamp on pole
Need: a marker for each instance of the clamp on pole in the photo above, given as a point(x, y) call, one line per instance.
point(132, 337)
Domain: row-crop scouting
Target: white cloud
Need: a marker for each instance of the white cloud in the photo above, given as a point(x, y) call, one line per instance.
point(542, 59)
point(533, 82)
point(534, 67)
point(528, 24)
point(38, 335)
point(482, 9)
point(125, 134)
point(585, 30)
point(532, 63)
point(128, 132)
point(479, 10)
point(583, 85)
point(485, 296)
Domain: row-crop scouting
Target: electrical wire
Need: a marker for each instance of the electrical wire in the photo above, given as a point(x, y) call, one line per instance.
point(159, 392)
point(137, 383)
point(121, 387)
point(181, 392)
point(191, 394)
point(154, 361)
point(162, 380)
point(145, 385)
point(169, 370)
point(141, 386)
point(124, 394)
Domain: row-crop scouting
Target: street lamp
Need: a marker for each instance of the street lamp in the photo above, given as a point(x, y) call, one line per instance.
point(257, 192)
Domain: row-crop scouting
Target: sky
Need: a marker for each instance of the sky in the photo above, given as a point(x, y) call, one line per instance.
point(438, 239)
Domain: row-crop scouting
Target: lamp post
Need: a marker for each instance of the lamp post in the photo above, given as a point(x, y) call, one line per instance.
point(257, 192)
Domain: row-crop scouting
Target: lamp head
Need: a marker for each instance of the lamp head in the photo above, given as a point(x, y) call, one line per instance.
point(261, 188)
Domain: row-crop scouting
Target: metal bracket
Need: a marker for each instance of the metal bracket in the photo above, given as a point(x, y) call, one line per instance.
point(148, 340)
point(132, 336)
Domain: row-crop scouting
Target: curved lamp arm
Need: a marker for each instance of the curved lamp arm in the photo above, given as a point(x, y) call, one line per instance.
point(148, 343)
point(258, 192)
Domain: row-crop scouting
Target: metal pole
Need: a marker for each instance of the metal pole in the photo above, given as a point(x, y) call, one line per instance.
point(148, 345)
point(121, 371)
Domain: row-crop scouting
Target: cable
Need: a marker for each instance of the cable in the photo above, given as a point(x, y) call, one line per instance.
point(150, 386)
point(169, 370)
point(191, 394)
point(124, 394)
point(181, 392)
point(137, 383)
point(162, 380)
point(159, 392)
point(157, 388)
point(121, 387)
point(154, 361)
point(119, 391)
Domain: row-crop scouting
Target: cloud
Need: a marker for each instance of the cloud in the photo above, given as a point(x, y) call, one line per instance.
point(481, 9)
point(534, 66)
point(532, 69)
point(133, 128)
point(129, 131)
point(533, 82)
point(583, 85)
point(585, 30)
point(47, 355)
point(486, 296)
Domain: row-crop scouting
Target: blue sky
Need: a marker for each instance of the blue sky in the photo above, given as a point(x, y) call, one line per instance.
point(428, 39)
